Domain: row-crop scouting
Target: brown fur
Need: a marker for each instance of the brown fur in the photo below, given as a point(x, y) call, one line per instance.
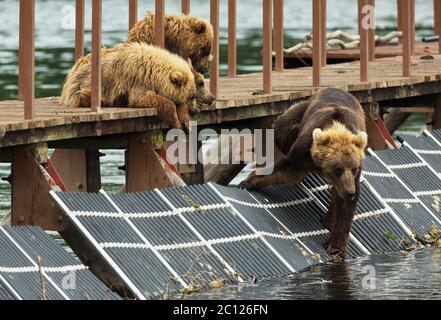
point(139, 76)
point(325, 135)
point(188, 36)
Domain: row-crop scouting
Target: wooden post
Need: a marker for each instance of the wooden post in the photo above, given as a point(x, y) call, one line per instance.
point(364, 50)
point(267, 46)
point(323, 36)
point(371, 33)
point(79, 30)
point(406, 42)
point(185, 4)
point(400, 22)
point(232, 42)
point(437, 18)
point(412, 27)
point(316, 46)
point(96, 54)
point(437, 114)
point(279, 34)
point(133, 13)
point(214, 67)
point(27, 56)
point(159, 23)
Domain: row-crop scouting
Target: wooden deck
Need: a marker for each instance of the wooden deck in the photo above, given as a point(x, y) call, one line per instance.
point(239, 100)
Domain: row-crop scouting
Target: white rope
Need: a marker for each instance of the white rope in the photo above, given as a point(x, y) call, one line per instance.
point(371, 214)
point(271, 205)
point(405, 201)
point(64, 269)
point(427, 193)
point(378, 174)
point(407, 166)
point(319, 189)
point(428, 152)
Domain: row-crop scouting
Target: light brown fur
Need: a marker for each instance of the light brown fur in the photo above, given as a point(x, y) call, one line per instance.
point(188, 36)
point(139, 76)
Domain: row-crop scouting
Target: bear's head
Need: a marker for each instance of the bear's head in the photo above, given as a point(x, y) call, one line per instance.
point(204, 96)
point(184, 89)
point(339, 154)
point(198, 43)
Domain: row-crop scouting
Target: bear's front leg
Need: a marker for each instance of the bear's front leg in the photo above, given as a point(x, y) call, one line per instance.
point(338, 220)
point(284, 173)
point(184, 115)
point(166, 108)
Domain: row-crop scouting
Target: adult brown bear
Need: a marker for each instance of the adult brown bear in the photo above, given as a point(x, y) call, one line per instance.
point(325, 134)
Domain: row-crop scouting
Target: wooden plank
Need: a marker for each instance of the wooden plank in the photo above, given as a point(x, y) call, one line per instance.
point(406, 41)
point(133, 13)
point(437, 115)
point(185, 4)
point(279, 34)
point(96, 55)
point(27, 56)
point(267, 46)
point(364, 48)
point(160, 23)
point(371, 34)
point(79, 29)
point(323, 35)
point(214, 67)
point(71, 166)
point(316, 31)
point(232, 41)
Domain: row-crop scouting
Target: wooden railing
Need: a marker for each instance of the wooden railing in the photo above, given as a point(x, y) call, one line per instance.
point(273, 12)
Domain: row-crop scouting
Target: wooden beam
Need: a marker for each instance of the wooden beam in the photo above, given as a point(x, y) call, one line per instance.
point(412, 27)
point(133, 13)
point(185, 4)
point(324, 33)
point(71, 166)
point(437, 115)
point(79, 30)
point(96, 55)
point(159, 23)
point(232, 41)
point(400, 21)
point(376, 139)
point(214, 67)
point(27, 56)
point(371, 33)
point(267, 46)
point(279, 34)
point(406, 41)
point(437, 18)
point(31, 185)
point(316, 46)
point(364, 48)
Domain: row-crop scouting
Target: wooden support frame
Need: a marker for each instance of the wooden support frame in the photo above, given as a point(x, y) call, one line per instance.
point(31, 185)
point(160, 23)
point(185, 7)
point(371, 33)
point(279, 35)
point(437, 22)
point(267, 46)
point(364, 45)
point(96, 55)
point(316, 46)
point(412, 27)
point(214, 67)
point(133, 13)
point(232, 40)
point(324, 32)
point(27, 57)
point(407, 33)
point(437, 113)
point(79, 29)
point(376, 138)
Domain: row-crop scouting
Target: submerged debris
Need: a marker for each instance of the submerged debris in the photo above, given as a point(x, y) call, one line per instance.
point(389, 235)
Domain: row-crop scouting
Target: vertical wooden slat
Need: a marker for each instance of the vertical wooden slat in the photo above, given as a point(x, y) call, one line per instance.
point(159, 23)
point(364, 50)
point(412, 27)
point(185, 6)
point(267, 46)
point(96, 54)
point(279, 34)
point(323, 23)
point(406, 42)
point(232, 42)
point(21, 51)
point(437, 17)
point(133, 13)
point(316, 46)
point(371, 34)
point(214, 67)
point(400, 22)
point(27, 55)
point(79, 30)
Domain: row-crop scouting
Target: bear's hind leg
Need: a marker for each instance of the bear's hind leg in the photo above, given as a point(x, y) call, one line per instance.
point(166, 108)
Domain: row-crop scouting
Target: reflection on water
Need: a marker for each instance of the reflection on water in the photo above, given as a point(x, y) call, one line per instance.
point(414, 275)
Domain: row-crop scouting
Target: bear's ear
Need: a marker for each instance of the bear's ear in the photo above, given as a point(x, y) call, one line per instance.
point(200, 27)
point(178, 78)
point(361, 140)
point(320, 138)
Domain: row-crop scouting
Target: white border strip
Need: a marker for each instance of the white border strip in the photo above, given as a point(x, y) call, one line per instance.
point(378, 174)
point(65, 269)
point(204, 241)
point(431, 136)
point(49, 279)
point(260, 205)
point(407, 166)
point(405, 186)
point(103, 253)
point(147, 242)
point(273, 250)
point(10, 288)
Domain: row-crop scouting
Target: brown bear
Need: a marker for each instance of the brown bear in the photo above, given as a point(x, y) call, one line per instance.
point(138, 75)
point(187, 36)
point(325, 134)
